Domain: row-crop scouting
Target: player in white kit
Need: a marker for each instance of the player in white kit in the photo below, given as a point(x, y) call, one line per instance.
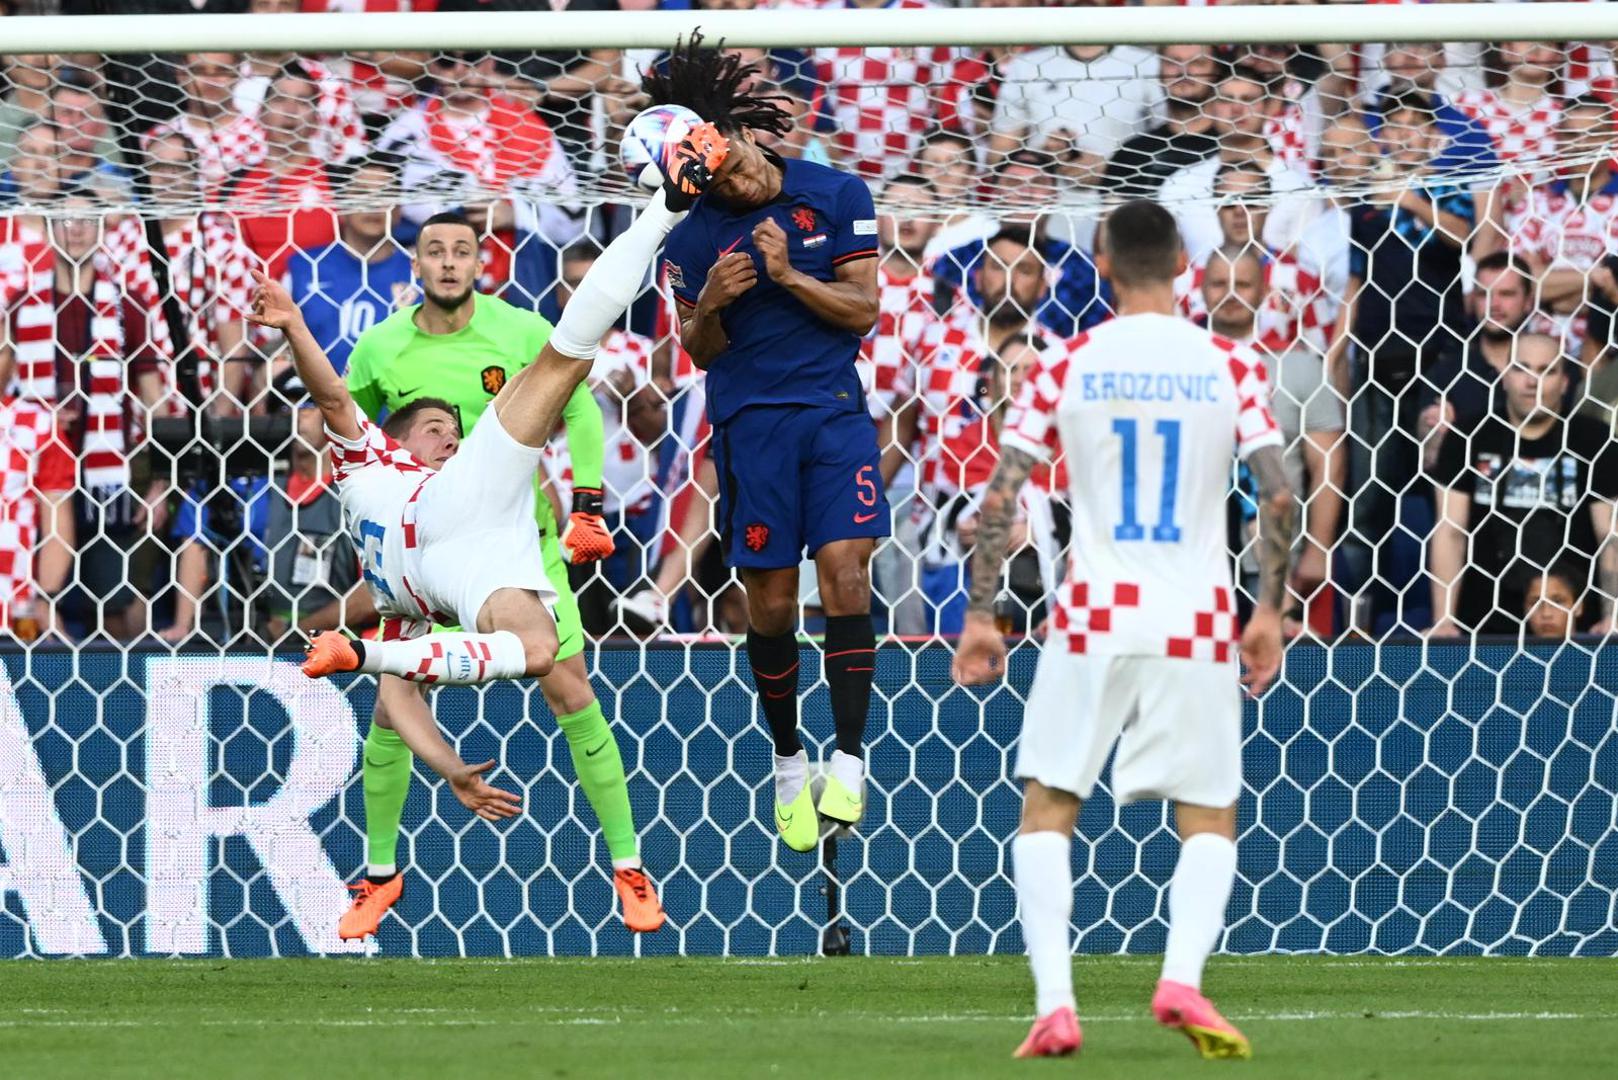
point(1142, 650)
point(445, 529)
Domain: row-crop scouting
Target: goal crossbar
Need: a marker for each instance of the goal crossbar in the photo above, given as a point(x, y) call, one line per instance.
point(812, 28)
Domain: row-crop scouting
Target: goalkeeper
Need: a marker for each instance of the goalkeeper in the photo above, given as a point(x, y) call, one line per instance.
point(438, 522)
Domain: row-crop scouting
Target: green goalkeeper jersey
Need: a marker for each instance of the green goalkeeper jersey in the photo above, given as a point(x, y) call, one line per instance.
point(394, 362)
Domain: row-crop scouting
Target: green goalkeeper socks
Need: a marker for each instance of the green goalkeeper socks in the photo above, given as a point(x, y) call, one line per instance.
point(387, 781)
point(601, 773)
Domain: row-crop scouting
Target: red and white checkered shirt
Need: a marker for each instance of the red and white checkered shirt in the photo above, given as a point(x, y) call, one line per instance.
point(1149, 410)
point(28, 429)
point(1297, 312)
point(377, 483)
point(886, 99)
point(222, 148)
point(209, 273)
point(891, 353)
point(1557, 229)
point(1519, 132)
point(622, 350)
point(28, 273)
point(949, 414)
point(338, 133)
point(1288, 135)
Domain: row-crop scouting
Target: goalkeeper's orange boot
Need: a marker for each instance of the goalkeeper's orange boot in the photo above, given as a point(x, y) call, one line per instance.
point(642, 910)
point(330, 653)
point(1177, 1005)
point(371, 902)
point(1056, 1034)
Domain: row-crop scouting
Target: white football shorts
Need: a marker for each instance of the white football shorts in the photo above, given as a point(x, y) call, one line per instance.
point(1177, 725)
point(475, 526)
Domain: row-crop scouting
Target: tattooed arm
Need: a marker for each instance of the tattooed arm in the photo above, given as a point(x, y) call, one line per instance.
point(1277, 524)
point(995, 519)
point(980, 653)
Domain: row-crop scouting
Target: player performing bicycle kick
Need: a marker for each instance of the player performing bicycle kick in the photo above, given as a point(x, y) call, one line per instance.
point(446, 528)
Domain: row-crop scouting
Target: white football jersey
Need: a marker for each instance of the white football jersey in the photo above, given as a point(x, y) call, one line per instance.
point(1149, 411)
point(376, 481)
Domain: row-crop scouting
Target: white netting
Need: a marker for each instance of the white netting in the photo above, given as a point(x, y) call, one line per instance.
point(1420, 238)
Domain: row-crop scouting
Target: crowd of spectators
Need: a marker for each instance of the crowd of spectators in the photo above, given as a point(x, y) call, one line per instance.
point(1420, 240)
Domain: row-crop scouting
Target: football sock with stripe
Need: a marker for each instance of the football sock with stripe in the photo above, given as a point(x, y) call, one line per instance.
point(1198, 895)
point(386, 773)
point(600, 768)
point(850, 663)
point(774, 659)
point(1043, 872)
point(447, 659)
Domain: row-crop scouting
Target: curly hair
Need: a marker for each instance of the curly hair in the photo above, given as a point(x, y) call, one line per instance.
point(708, 81)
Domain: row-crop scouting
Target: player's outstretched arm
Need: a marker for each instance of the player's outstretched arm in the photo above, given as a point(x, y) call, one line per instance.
point(981, 652)
point(1277, 526)
point(273, 307)
point(407, 710)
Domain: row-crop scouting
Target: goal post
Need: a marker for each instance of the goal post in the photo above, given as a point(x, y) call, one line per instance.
point(1417, 239)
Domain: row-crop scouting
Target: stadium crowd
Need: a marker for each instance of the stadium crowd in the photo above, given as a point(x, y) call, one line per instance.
point(1440, 348)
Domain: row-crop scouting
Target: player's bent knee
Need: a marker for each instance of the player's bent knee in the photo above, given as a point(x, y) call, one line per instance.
point(540, 655)
point(1190, 819)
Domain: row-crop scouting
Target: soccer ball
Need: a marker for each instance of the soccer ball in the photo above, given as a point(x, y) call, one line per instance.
point(648, 136)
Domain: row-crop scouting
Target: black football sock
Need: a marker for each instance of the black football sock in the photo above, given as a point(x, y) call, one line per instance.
point(850, 664)
point(774, 659)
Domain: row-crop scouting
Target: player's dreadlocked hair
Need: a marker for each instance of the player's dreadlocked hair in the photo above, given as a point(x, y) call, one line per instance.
point(709, 82)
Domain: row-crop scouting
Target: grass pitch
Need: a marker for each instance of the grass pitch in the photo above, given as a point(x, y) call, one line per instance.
point(1371, 1019)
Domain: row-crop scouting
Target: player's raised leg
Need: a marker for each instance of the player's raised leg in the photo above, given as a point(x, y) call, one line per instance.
point(1198, 894)
point(1043, 872)
point(531, 404)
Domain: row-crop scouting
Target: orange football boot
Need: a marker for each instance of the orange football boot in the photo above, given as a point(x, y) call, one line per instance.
point(690, 163)
point(330, 653)
point(642, 910)
point(371, 902)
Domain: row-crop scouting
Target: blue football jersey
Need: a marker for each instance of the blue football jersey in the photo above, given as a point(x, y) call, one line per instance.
point(342, 296)
point(780, 352)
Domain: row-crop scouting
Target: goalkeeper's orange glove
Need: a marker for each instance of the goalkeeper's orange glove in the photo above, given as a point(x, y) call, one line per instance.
point(586, 539)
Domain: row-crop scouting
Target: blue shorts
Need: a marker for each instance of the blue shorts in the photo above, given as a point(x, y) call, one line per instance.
point(793, 477)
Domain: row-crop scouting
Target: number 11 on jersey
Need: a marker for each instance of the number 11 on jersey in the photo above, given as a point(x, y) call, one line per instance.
point(1165, 531)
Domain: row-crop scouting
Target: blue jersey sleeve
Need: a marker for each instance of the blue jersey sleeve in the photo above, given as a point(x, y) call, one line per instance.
point(856, 222)
point(687, 258)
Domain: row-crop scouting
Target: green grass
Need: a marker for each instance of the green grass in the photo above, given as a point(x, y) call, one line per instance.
point(862, 1019)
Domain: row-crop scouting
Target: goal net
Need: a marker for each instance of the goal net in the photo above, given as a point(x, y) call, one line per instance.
point(1416, 231)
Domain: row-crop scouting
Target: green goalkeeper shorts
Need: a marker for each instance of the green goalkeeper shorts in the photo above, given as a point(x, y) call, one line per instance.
point(569, 630)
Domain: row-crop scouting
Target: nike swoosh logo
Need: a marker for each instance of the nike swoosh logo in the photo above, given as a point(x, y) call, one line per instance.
point(597, 750)
point(861, 519)
point(784, 820)
point(411, 393)
point(734, 244)
point(375, 764)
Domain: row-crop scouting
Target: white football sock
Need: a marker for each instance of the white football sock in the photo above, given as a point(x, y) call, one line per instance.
point(849, 770)
point(1197, 898)
point(791, 773)
point(628, 862)
point(380, 870)
point(448, 659)
point(613, 282)
point(1044, 876)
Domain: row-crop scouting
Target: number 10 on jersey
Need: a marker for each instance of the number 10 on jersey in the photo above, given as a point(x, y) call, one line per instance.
point(1130, 528)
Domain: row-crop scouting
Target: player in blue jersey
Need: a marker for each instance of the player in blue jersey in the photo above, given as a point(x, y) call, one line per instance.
point(775, 273)
point(351, 285)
